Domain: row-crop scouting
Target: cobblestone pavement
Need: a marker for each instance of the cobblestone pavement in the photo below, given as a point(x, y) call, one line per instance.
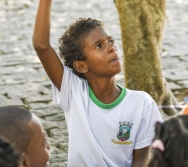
point(23, 81)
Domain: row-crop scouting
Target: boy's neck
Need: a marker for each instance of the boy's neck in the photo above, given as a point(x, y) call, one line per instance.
point(105, 90)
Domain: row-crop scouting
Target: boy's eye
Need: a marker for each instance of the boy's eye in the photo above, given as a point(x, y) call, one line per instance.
point(47, 144)
point(111, 41)
point(98, 46)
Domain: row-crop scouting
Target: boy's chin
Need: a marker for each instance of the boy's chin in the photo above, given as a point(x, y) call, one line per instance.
point(118, 71)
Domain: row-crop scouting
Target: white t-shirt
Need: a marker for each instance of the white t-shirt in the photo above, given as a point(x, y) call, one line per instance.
point(104, 135)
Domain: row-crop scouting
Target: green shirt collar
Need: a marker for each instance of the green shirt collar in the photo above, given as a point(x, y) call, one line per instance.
point(111, 105)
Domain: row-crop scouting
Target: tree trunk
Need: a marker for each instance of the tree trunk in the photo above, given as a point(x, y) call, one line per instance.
point(142, 23)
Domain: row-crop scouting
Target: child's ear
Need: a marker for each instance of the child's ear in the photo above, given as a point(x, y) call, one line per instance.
point(25, 162)
point(80, 66)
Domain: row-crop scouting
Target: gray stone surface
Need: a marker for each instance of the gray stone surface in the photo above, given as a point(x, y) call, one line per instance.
point(23, 81)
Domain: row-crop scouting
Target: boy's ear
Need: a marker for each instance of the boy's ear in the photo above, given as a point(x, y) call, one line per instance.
point(80, 66)
point(25, 162)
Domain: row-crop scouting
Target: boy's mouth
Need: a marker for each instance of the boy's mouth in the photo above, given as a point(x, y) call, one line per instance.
point(115, 59)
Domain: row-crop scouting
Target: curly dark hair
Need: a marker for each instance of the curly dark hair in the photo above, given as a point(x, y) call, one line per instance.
point(71, 42)
point(9, 156)
point(174, 135)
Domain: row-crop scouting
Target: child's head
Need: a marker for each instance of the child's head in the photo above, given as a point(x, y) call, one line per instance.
point(72, 41)
point(170, 146)
point(23, 129)
point(9, 156)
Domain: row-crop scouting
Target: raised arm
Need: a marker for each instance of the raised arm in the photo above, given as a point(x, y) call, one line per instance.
point(41, 44)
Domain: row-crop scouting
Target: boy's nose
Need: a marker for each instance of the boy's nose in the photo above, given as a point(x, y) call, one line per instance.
point(111, 48)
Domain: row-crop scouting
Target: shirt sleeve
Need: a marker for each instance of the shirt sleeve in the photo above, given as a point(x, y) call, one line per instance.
point(151, 115)
point(69, 86)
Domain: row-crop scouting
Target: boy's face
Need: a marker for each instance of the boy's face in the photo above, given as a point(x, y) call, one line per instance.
point(38, 150)
point(102, 54)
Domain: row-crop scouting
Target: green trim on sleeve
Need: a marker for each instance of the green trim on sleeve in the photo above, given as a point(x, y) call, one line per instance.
point(111, 105)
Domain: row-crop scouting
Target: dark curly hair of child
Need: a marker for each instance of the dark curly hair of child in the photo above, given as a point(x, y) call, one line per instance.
point(72, 41)
point(9, 157)
point(170, 146)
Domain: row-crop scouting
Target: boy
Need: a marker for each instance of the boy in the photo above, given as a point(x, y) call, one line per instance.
point(9, 157)
point(23, 129)
point(109, 126)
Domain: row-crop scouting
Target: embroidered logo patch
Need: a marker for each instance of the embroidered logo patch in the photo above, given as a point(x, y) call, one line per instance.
point(123, 133)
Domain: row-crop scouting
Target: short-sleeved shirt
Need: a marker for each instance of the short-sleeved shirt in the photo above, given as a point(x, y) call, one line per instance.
point(104, 135)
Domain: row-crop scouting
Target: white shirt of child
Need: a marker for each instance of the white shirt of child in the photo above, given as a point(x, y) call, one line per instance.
point(104, 135)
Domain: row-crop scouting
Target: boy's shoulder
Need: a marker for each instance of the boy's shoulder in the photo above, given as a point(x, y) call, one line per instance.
point(138, 93)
